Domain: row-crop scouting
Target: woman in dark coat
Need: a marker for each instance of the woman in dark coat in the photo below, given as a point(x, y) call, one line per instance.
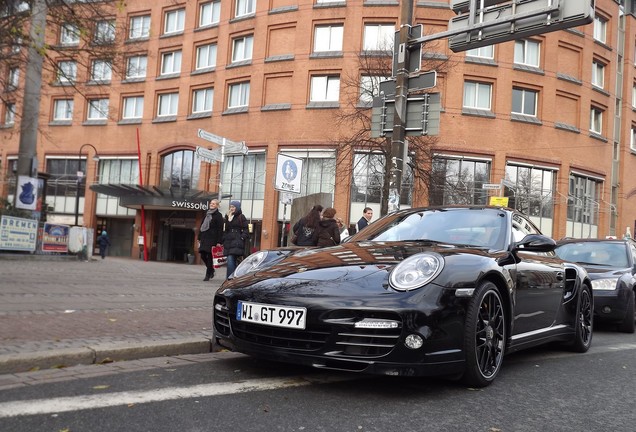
point(329, 232)
point(235, 234)
point(210, 235)
point(305, 228)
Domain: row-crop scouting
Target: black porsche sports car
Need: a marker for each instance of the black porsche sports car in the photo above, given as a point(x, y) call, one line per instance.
point(426, 291)
point(611, 265)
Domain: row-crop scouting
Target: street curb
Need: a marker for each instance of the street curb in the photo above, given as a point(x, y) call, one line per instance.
point(102, 353)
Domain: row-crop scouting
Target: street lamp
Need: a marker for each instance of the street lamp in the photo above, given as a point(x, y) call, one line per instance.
point(80, 175)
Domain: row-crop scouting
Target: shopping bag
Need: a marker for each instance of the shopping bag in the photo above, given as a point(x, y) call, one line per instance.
point(218, 260)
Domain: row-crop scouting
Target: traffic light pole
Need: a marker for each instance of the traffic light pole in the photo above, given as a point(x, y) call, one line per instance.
point(399, 119)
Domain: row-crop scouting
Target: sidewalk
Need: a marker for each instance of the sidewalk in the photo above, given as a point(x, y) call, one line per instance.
point(61, 312)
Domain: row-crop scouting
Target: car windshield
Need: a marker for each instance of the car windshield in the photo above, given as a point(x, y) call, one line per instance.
point(597, 253)
point(473, 227)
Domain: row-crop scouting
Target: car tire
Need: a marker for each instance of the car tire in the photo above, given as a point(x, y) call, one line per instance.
point(628, 325)
point(583, 322)
point(485, 332)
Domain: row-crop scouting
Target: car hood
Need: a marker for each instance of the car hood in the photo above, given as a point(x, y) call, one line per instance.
point(602, 272)
point(348, 261)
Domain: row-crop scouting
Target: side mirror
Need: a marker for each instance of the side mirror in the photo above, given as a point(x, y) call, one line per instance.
point(535, 243)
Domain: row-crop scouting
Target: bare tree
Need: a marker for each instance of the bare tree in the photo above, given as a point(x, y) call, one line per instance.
point(359, 87)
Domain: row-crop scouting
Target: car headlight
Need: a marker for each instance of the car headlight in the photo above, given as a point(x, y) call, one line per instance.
point(250, 263)
point(416, 271)
point(605, 284)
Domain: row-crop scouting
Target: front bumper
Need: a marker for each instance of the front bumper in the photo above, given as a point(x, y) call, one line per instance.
point(610, 305)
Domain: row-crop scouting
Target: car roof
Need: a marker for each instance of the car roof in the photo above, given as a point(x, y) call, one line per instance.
point(591, 240)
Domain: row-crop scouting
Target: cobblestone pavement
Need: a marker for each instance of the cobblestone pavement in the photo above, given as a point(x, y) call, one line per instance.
point(54, 311)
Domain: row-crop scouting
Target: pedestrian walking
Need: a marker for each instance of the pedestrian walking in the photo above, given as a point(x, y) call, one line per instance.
point(210, 235)
point(328, 232)
point(367, 214)
point(305, 229)
point(234, 236)
point(103, 242)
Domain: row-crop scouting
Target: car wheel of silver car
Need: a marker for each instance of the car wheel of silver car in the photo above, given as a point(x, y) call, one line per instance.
point(484, 336)
point(583, 321)
point(627, 326)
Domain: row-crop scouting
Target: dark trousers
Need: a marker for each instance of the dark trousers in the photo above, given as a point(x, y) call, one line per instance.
point(206, 257)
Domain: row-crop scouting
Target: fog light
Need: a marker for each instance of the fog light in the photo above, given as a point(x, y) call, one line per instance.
point(413, 341)
point(606, 309)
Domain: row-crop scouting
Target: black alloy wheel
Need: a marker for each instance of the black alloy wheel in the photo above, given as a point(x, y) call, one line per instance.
point(485, 336)
point(584, 321)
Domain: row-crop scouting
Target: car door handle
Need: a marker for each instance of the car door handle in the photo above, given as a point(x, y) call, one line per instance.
point(559, 276)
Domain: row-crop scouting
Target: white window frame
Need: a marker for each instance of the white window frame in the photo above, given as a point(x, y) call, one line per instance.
point(174, 21)
point(101, 70)
point(487, 52)
point(63, 110)
point(632, 139)
point(13, 80)
point(598, 74)
point(244, 7)
point(104, 32)
point(138, 60)
point(238, 95)
point(202, 100)
point(600, 29)
point(9, 113)
point(69, 34)
point(242, 48)
point(132, 107)
point(206, 56)
point(167, 104)
point(378, 37)
point(525, 93)
point(139, 27)
point(325, 88)
point(474, 100)
point(209, 13)
point(171, 62)
point(596, 120)
point(97, 109)
point(527, 52)
point(328, 38)
point(634, 95)
point(66, 72)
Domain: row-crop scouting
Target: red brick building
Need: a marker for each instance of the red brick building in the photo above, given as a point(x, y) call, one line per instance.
point(554, 115)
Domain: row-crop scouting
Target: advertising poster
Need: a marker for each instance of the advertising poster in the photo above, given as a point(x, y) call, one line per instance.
point(55, 238)
point(27, 193)
point(18, 234)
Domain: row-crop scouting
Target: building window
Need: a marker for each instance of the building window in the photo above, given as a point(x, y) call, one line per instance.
point(370, 87)
point(116, 171)
point(104, 32)
point(61, 187)
point(242, 48)
point(477, 95)
point(209, 13)
point(66, 72)
point(598, 74)
point(206, 56)
point(136, 67)
point(69, 34)
point(174, 21)
point(600, 29)
point(328, 38)
point(524, 102)
point(527, 52)
point(458, 181)
point(97, 109)
point(180, 170)
point(533, 193)
point(632, 141)
point(9, 113)
point(245, 7)
point(133, 107)
point(596, 120)
point(101, 70)
point(239, 95)
point(368, 179)
point(63, 110)
point(139, 27)
point(633, 96)
point(378, 37)
point(171, 63)
point(202, 100)
point(168, 104)
point(325, 89)
point(583, 206)
point(487, 52)
point(13, 80)
point(243, 177)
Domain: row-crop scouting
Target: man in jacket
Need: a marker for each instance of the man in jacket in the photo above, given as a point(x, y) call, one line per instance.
point(210, 235)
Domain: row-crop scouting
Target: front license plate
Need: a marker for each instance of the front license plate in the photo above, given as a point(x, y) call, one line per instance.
point(274, 315)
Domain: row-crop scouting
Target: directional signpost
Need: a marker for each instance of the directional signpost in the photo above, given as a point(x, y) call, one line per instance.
point(226, 147)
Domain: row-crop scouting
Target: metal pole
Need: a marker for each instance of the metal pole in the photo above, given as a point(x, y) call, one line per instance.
point(396, 163)
point(79, 179)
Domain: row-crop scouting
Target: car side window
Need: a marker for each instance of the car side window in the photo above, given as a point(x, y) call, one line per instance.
point(521, 227)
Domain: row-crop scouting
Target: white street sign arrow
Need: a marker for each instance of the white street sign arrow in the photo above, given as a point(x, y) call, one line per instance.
point(213, 155)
